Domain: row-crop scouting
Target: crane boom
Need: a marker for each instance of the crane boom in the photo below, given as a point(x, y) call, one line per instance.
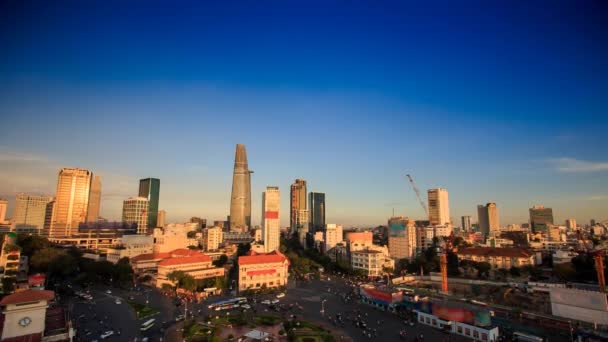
point(426, 211)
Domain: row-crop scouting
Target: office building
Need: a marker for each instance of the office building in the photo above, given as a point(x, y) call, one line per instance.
point(571, 223)
point(332, 235)
point(160, 220)
point(94, 200)
point(3, 206)
point(316, 201)
point(240, 199)
point(135, 213)
point(466, 223)
point(439, 208)
point(297, 205)
point(30, 212)
point(540, 216)
point(401, 237)
point(487, 216)
point(149, 188)
point(212, 238)
point(71, 201)
point(271, 204)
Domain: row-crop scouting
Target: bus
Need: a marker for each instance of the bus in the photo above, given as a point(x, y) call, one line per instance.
point(228, 304)
point(147, 324)
point(518, 336)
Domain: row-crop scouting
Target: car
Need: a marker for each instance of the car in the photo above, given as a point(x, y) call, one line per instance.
point(109, 291)
point(246, 306)
point(118, 301)
point(145, 339)
point(266, 302)
point(131, 298)
point(281, 295)
point(411, 323)
point(274, 301)
point(179, 318)
point(106, 334)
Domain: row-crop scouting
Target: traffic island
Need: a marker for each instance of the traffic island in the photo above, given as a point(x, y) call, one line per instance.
point(143, 311)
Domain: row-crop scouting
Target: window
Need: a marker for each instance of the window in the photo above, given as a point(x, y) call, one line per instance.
point(434, 321)
point(475, 334)
point(484, 336)
point(467, 331)
point(459, 329)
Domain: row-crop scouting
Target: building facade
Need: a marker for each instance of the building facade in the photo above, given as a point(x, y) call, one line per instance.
point(401, 237)
point(94, 200)
point(316, 207)
point(3, 207)
point(149, 188)
point(71, 201)
point(135, 212)
point(130, 246)
point(297, 195)
point(271, 226)
point(199, 266)
point(439, 207)
point(212, 238)
point(240, 200)
point(488, 219)
point(160, 220)
point(30, 213)
point(258, 271)
point(332, 235)
point(539, 215)
point(498, 257)
point(466, 223)
point(571, 223)
point(368, 260)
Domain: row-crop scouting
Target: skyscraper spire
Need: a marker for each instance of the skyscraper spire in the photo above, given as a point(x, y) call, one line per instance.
point(240, 201)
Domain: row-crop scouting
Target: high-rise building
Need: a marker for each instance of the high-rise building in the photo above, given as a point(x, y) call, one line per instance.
point(201, 221)
point(3, 206)
point(160, 220)
point(539, 215)
point(332, 235)
point(71, 201)
point(298, 203)
point(240, 199)
point(571, 223)
point(401, 237)
point(29, 214)
point(212, 237)
point(487, 218)
point(49, 217)
point(135, 212)
point(439, 207)
point(271, 204)
point(592, 222)
point(466, 223)
point(149, 188)
point(94, 200)
point(317, 211)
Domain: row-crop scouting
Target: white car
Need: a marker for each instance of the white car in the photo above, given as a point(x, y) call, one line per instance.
point(106, 334)
point(266, 302)
point(246, 306)
point(118, 301)
point(109, 291)
point(275, 301)
point(281, 295)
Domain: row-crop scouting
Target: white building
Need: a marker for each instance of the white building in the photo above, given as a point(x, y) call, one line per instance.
point(271, 204)
point(167, 239)
point(332, 235)
point(129, 246)
point(485, 334)
point(439, 207)
point(135, 211)
point(212, 238)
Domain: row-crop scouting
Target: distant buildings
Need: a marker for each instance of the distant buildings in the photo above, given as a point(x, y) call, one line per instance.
point(332, 235)
point(201, 221)
point(129, 246)
point(466, 223)
point(439, 207)
point(297, 207)
point(94, 200)
point(3, 206)
point(571, 223)
point(499, 257)
point(149, 188)
point(240, 200)
point(271, 226)
point(316, 208)
point(160, 220)
point(540, 216)
point(257, 271)
point(487, 218)
point(30, 213)
point(135, 212)
point(212, 238)
point(401, 237)
point(71, 201)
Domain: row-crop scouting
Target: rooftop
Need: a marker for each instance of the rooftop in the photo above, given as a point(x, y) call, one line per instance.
point(185, 260)
point(496, 252)
point(259, 258)
point(28, 296)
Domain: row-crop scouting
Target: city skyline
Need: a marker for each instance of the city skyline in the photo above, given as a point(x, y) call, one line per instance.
point(513, 117)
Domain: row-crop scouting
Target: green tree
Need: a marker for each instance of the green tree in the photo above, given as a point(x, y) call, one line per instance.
point(8, 284)
point(565, 271)
point(30, 244)
point(514, 271)
point(483, 268)
point(53, 261)
point(503, 272)
point(223, 259)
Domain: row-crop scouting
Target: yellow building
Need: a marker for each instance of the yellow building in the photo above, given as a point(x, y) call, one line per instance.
point(498, 257)
point(212, 238)
point(198, 266)
point(267, 270)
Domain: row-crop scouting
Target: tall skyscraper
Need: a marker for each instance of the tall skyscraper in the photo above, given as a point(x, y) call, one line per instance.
point(317, 211)
point(135, 211)
point(3, 206)
point(29, 214)
point(71, 201)
point(487, 218)
point(401, 237)
point(160, 220)
point(149, 188)
point(439, 207)
point(571, 223)
point(240, 200)
point(271, 204)
point(466, 223)
point(298, 203)
point(540, 216)
point(94, 200)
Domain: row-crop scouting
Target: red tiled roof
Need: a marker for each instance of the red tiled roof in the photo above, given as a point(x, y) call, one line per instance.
point(185, 260)
point(28, 296)
point(258, 258)
point(184, 252)
point(150, 256)
point(496, 252)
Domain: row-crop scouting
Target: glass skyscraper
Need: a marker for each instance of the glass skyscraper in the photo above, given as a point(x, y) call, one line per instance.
point(149, 188)
point(317, 211)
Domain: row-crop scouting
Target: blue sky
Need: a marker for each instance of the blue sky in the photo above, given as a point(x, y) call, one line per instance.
point(495, 102)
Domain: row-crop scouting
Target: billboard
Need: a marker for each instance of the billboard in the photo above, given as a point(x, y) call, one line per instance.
point(587, 306)
point(396, 229)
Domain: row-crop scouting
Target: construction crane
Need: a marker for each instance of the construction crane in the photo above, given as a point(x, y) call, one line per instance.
point(426, 211)
point(442, 251)
point(598, 257)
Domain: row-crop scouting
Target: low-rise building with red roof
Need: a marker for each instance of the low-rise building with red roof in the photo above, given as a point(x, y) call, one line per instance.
point(498, 257)
point(262, 270)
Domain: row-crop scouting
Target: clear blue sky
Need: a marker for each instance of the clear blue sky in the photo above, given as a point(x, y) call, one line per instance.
point(503, 102)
